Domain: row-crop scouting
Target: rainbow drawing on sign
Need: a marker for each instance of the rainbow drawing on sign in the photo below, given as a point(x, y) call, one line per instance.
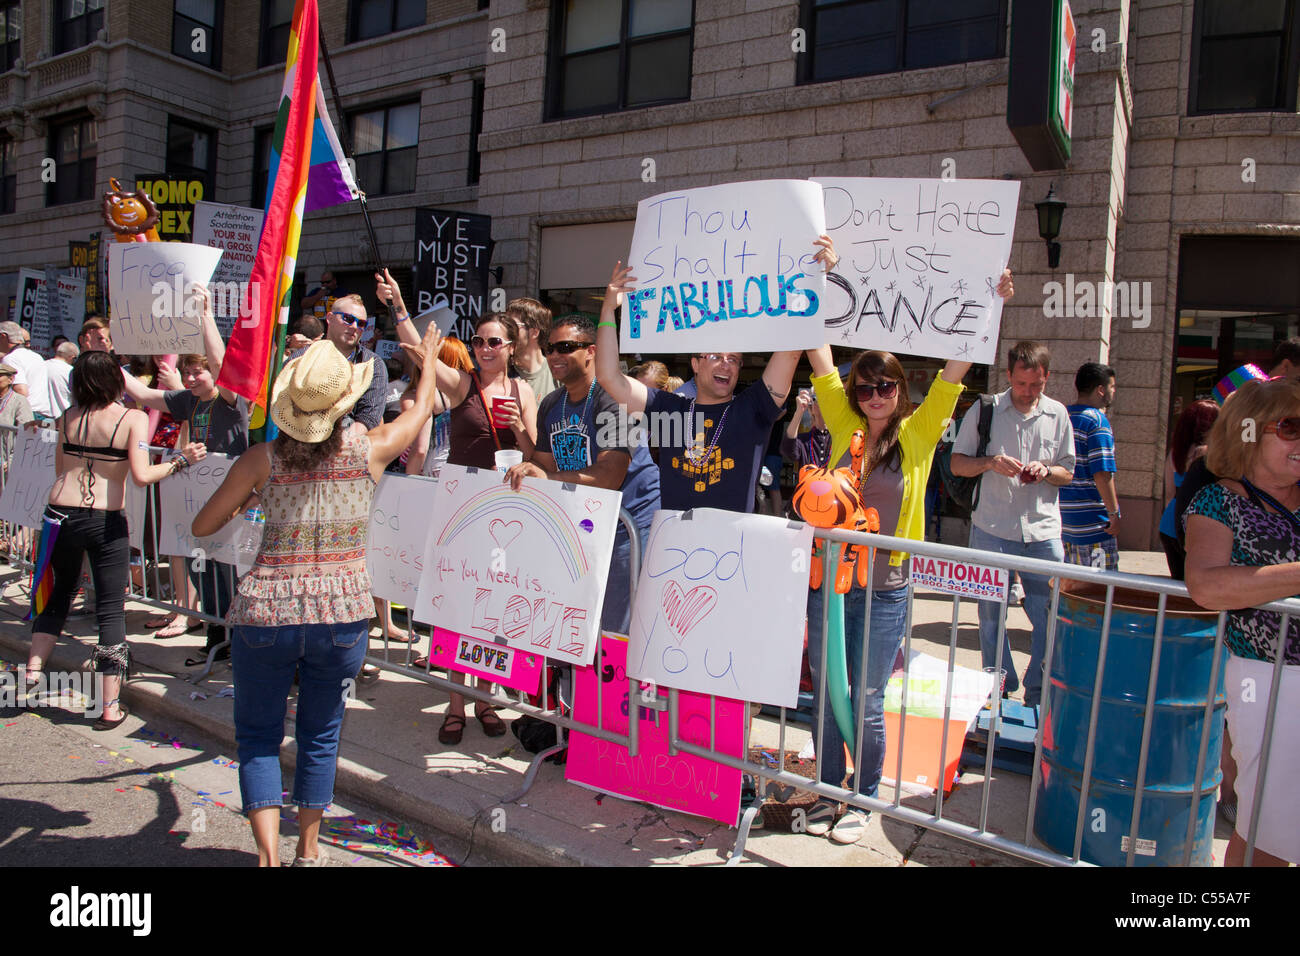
point(529, 502)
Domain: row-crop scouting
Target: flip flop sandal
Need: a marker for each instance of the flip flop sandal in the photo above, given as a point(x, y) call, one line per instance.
point(420, 663)
point(103, 723)
point(177, 628)
point(398, 638)
point(452, 729)
point(493, 725)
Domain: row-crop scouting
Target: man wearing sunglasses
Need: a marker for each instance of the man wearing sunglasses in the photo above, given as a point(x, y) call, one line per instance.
point(343, 326)
point(1030, 456)
point(576, 444)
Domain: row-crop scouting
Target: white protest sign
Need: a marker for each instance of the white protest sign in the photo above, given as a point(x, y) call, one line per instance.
point(720, 605)
point(398, 528)
point(182, 496)
point(528, 566)
point(919, 262)
point(148, 289)
point(727, 267)
point(236, 231)
point(30, 477)
point(34, 307)
point(959, 577)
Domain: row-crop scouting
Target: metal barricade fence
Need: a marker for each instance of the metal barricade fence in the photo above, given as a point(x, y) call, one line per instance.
point(552, 711)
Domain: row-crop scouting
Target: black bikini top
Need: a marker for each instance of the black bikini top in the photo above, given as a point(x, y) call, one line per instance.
point(98, 452)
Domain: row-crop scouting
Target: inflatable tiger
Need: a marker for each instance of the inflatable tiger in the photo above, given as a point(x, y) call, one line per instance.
point(827, 498)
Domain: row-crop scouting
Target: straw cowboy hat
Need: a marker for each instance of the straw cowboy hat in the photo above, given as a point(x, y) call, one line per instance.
point(315, 390)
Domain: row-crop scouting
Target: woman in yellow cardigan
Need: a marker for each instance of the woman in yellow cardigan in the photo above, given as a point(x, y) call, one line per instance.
point(895, 468)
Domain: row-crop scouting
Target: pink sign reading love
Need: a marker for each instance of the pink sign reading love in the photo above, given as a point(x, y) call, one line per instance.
point(497, 662)
point(685, 782)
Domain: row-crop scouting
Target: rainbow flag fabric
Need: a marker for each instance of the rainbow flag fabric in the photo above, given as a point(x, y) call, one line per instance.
point(43, 568)
point(1235, 379)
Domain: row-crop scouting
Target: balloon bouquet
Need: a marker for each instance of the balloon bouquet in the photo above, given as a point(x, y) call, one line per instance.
point(827, 498)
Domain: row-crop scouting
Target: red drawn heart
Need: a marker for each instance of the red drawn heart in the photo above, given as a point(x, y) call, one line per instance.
point(436, 601)
point(684, 610)
point(593, 505)
point(452, 486)
point(505, 532)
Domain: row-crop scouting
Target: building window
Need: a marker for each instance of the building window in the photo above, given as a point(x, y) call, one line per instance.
point(262, 139)
point(76, 23)
point(8, 175)
point(384, 144)
point(862, 37)
point(277, 23)
point(72, 143)
point(475, 130)
point(374, 18)
point(11, 34)
point(608, 56)
point(191, 152)
point(1245, 56)
point(196, 31)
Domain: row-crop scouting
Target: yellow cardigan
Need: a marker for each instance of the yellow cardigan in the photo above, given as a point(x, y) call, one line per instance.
point(917, 437)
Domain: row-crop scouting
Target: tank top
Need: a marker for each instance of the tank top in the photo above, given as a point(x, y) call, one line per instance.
point(471, 431)
point(311, 567)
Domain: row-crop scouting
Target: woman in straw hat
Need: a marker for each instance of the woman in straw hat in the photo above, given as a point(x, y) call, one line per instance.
point(306, 605)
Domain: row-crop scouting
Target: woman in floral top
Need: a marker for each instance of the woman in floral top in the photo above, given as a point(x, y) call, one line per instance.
point(1243, 549)
point(305, 606)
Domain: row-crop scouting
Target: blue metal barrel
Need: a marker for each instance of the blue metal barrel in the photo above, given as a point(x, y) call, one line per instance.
point(1182, 684)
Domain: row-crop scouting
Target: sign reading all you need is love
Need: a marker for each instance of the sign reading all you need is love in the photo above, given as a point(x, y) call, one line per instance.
point(523, 568)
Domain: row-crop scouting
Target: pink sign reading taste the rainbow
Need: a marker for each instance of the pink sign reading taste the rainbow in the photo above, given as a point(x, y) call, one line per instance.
point(504, 665)
point(685, 782)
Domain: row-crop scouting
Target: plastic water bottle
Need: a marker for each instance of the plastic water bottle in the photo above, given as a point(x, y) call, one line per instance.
point(250, 536)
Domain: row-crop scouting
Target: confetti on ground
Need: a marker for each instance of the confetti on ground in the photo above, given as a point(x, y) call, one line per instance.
point(198, 695)
point(227, 692)
point(393, 839)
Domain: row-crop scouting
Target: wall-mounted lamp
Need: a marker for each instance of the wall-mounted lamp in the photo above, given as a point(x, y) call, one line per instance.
point(497, 273)
point(1050, 211)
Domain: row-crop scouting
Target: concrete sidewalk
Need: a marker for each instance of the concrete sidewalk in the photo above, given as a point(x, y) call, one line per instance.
point(390, 758)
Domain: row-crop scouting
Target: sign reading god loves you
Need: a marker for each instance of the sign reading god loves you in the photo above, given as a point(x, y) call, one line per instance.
point(181, 496)
point(720, 605)
point(727, 267)
point(395, 545)
point(149, 291)
point(683, 782)
point(919, 262)
point(528, 566)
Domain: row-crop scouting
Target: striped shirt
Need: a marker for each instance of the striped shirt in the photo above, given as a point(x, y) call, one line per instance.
point(1083, 515)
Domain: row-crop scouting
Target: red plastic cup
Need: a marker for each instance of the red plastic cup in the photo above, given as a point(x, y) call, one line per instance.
point(502, 407)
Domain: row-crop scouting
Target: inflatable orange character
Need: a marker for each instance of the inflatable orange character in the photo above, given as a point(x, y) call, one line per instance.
point(830, 499)
point(133, 217)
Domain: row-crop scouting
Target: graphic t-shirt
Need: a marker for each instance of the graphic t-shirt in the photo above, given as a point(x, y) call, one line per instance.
point(575, 433)
point(711, 461)
point(1083, 514)
point(223, 428)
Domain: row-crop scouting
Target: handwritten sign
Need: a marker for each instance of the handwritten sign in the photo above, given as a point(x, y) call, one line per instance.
point(920, 259)
point(452, 252)
point(727, 267)
point(235, 230)
point(148, 286)
point(44, 318)
point(683, 782)
point(497, 662)
point(398, 528)
point(959, 577)
point(527, 565)
point(182, 496)
point(720, 605)
point(30, 477)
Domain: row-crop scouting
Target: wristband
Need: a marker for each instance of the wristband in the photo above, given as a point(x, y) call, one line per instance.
point(601, 325)
point(401, 317)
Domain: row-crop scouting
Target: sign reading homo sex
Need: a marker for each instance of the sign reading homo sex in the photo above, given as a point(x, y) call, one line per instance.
point(181, 496)
point(960, 578)
point(499, 663)
point(682, 782)
point(149, 289)
point(527, 565)
point(720, 605)
point(919, 262)
point(727, 267)
point(395, 546)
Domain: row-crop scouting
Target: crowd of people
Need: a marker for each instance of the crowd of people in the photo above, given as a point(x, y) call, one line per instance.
point(543, 387)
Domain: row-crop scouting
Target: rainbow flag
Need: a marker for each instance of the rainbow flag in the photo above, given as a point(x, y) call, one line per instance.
point(1235, 379)
point(304, 176)
point(43, 569)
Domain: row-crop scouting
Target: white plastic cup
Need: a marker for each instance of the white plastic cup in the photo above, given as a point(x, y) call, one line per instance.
point(507, 458)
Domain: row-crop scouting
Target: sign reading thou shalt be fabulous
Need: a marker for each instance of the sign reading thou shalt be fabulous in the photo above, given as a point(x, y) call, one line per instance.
point(727, 267)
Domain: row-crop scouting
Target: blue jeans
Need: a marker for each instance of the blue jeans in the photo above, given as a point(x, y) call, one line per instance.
point(1037, 598)
point(326, 657)
point(888, 617)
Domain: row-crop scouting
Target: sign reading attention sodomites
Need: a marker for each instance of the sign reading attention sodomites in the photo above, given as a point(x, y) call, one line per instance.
point(727, 267)
point(919, 262)
point(452, 251)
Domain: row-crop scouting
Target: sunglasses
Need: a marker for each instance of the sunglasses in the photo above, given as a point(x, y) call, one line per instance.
point(495, 342)
point(883, 389)
point(566, 348)
point(349, 319)
point(1287, 429)
point(732, 360)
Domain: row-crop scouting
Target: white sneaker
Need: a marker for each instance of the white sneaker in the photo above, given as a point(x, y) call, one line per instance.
point(851, 827)
point(820, 817)
point(1017, 593)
